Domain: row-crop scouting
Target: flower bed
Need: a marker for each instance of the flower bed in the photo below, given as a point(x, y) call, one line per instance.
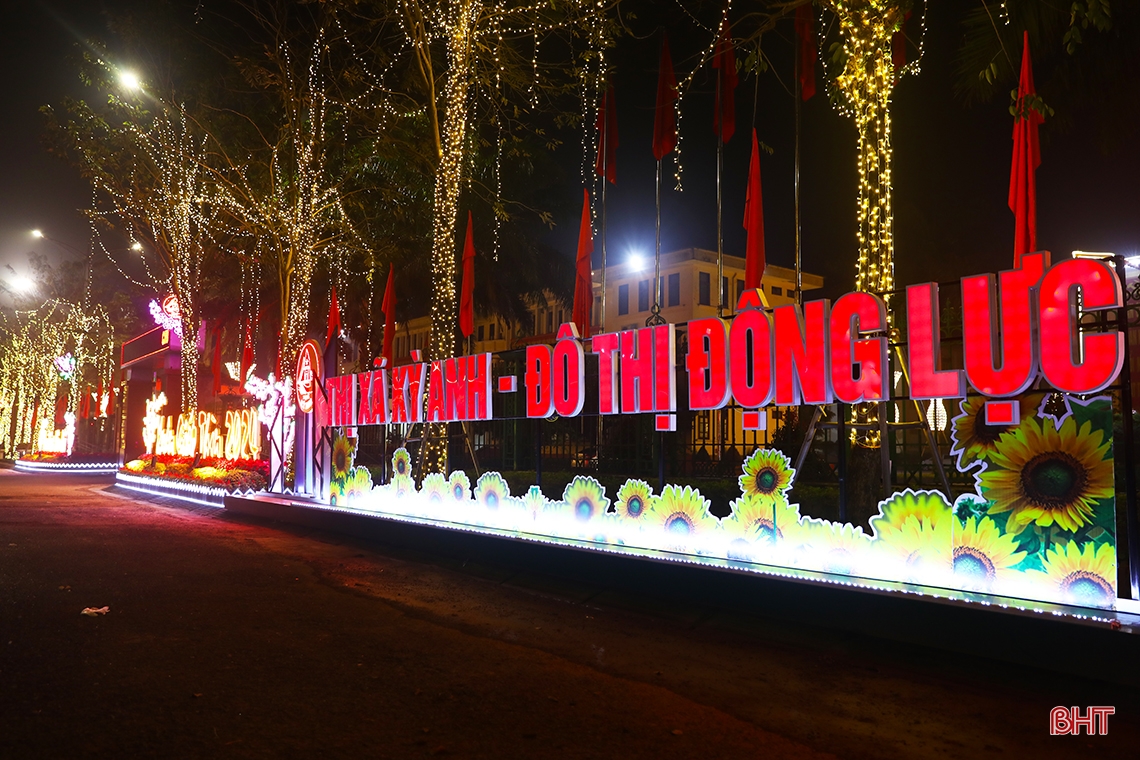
point(230, 475)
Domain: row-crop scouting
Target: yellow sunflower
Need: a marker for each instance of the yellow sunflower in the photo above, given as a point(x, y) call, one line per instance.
point(534, 502)
point(459, 486)
point(1048, 476)
point(401, 462)
point(491, 490)
point(982, 555)
point(912, 536)
point(586, 498)
point(434, 488)
point(766, 473)
point(1083, 575)
point(359, 484)
point(973, 439)
point(634, 499)
point(922, 505)
point(402, 485)
point(342, 455)
point(683, 514)
point(757, 524)
point(766, 520)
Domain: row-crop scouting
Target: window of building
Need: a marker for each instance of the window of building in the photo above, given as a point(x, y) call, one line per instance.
point(791, 293)
point(643, 295)
point(724, 291)
point(623, 299)
point(550, 321)
point(704, 286)
point(739, 290)
point(479, 333)
point(703, 425)
point(491, 331)
point(777, 290)
point(561, 317)
point(675, 289)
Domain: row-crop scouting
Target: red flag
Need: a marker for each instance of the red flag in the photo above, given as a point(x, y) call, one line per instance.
point(1026, 159)
point(724, 60)
point(606, 163)
point(805, 36)
point(85, 404)
point(334, 319)
point(246, 356)
point(754, 261)
point(111, 391)
point(583, 279)
point(389, 308)
point(60, 410)
point(467, 291)
point(665, 118)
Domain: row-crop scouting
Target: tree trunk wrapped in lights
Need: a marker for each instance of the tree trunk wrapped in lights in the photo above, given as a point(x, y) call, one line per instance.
point(867, 28)
point(460, 28)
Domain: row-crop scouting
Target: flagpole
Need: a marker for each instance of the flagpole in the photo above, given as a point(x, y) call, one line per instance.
point(655, 316)
point(605, 181)
point(796, 181)
point(719, 201)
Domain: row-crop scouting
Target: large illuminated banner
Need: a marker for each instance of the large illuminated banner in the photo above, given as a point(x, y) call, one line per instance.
point(1039, 523)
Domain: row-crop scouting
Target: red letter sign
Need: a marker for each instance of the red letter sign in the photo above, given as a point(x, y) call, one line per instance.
point(707, 364)
point(750, 350)
point(1012, 329)
point(801, 355)
point(924, 347)
point(538, 399)
point(1070, 362)
point(852, 314)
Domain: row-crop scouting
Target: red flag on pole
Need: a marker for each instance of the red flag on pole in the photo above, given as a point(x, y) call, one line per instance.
point(389, 308)
point(334, 319)
point(246, 355)
point(898, 47)
point(754, 260)
point(583, 279)
point(606, 163)
point(665, 118)
point(724, 61)
point(805, 37)
point(467, 291)
point(1026, 159)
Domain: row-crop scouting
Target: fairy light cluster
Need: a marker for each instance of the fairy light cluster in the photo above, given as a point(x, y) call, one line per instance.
point(30, 382)
point(683, 88)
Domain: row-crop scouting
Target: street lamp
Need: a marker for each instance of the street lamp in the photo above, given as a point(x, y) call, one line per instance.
point(22, 284)
point(129, 80)
point(37, 234)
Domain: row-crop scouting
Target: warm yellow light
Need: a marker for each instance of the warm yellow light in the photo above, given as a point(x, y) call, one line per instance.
point(37, 234)
point(129, 80)
point(136, 246)
point(22, 284)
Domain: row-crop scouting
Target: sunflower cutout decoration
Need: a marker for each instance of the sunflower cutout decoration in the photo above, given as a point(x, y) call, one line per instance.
point(491, 492)
point(434, 488)
point(401, 463)
point(634, 500)
point(983, 557)
point(1082, 574)
point(763, 520)
point(972, 439)
point(340, 469)
point(766, 473)
point(359, 484)
point(459, 486)
point(534, 502)
point(912, 531)
point(586, 498)
point(683, 514)
point(834, 547)
point(1042, 475)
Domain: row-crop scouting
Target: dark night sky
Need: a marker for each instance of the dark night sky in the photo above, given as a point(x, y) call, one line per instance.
point(951, 162)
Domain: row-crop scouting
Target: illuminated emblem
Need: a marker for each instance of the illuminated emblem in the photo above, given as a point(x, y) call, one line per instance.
point(308, 375)
point(170, 307)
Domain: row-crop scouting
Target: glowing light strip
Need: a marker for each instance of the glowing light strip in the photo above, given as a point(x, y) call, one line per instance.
point(715, 563)
point(172, 489)
point(90, 468)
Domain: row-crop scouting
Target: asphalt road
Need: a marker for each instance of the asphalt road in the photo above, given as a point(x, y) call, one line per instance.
point(228, 637)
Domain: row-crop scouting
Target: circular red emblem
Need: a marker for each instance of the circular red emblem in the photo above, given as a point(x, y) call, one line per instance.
point(308, 375)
